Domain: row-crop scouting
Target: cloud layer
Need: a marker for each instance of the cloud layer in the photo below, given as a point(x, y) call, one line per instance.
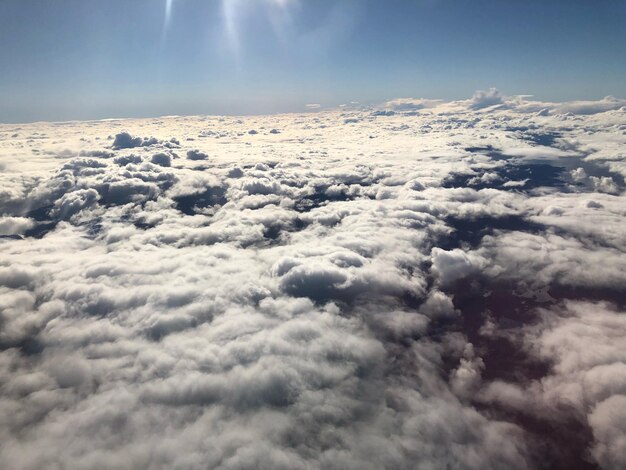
point(423, 284)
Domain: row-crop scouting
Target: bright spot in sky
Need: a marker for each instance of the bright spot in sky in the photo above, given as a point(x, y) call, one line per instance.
point(168, 8)
point(234, 10)
point(168, 16)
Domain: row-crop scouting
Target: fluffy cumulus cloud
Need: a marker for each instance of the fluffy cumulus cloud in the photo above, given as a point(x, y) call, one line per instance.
point(422, 284)
point(485, 99)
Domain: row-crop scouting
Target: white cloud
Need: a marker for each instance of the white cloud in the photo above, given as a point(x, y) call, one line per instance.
point(15, 225)
point(330, 296)
point(485, 99)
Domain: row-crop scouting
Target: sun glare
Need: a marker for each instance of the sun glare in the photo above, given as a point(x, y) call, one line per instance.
point(277, 12)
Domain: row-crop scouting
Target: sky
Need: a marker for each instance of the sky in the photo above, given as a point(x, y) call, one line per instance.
point(88, 59)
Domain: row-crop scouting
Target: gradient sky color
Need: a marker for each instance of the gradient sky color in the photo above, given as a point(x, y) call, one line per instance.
point(90, 59)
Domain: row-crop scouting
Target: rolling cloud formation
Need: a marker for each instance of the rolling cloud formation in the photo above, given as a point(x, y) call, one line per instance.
point(426, 283)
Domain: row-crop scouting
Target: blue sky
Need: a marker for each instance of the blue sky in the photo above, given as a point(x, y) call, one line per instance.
point(82, 59)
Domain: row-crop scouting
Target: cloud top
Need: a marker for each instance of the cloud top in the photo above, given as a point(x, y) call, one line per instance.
point(431, 284)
